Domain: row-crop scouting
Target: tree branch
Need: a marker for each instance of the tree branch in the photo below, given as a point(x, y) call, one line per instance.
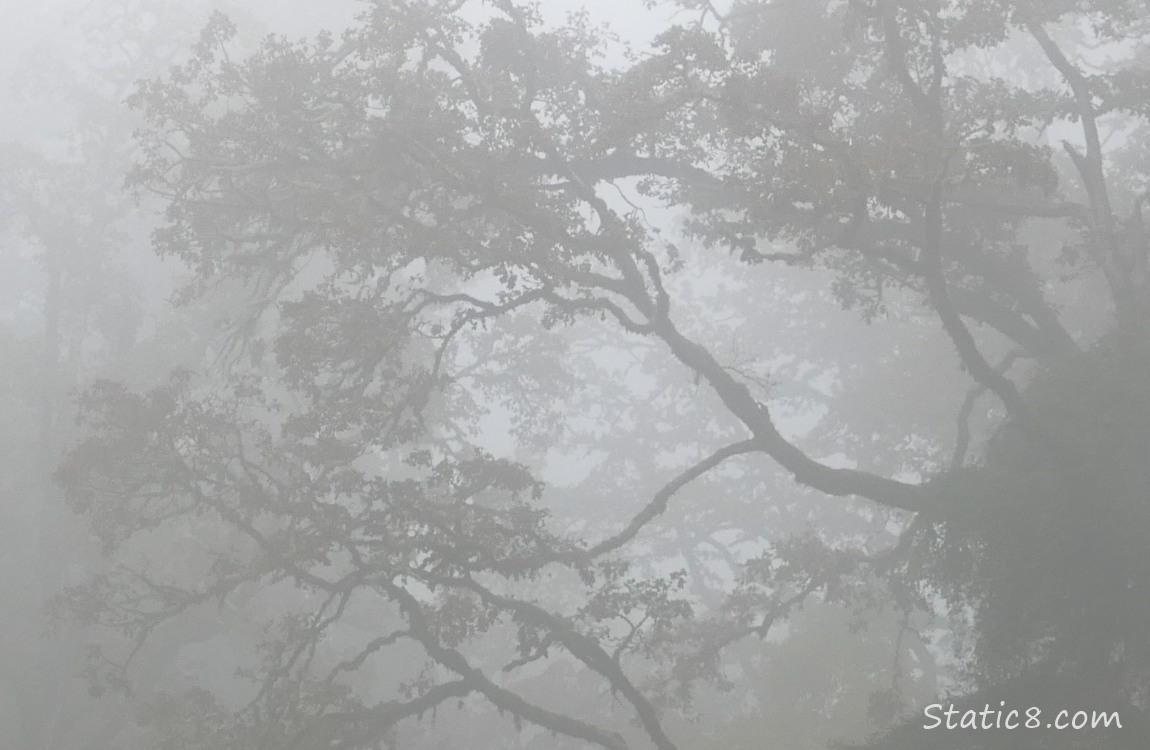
point(500, 697)
point(658, 503)
point(756, 416)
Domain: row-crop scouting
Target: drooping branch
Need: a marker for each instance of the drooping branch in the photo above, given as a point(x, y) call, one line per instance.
point(500, 697)
point(585, 648)
point(757, 418)
point(352, 729)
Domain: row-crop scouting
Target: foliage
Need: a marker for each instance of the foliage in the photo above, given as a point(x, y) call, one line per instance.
point(438, 240)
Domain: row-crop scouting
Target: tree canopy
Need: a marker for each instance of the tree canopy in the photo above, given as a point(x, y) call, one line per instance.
point(560, 381)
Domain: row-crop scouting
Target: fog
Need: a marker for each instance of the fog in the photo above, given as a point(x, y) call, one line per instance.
point(647, 374)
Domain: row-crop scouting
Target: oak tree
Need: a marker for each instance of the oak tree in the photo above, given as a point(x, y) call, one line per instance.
point(516, 403)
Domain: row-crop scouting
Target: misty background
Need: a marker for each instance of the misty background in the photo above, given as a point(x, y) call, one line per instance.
point(479, 374)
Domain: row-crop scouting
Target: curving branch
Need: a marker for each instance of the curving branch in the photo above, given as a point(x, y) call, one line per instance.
point(962, 432)
point(351, 729)
point(500, 697)
point(757, 418)
point(584, 648)
point(658, 503)
point(972, 358)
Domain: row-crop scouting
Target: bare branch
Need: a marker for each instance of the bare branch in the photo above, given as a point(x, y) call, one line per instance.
point(658, 503)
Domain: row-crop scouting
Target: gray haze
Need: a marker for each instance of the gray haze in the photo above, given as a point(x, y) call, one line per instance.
point(434, 374)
